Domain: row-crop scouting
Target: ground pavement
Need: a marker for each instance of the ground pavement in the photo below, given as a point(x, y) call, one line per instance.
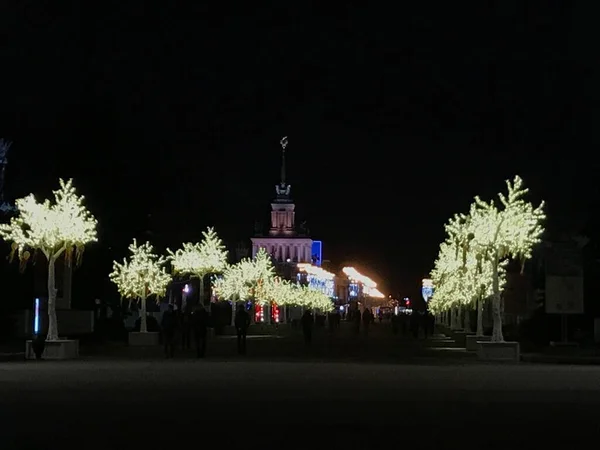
point(102, 402)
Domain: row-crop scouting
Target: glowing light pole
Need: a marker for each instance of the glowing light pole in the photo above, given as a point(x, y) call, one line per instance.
point(36, 317)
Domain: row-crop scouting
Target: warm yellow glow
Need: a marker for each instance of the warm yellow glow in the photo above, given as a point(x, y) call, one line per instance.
point(427, 282)
point(316, 271)
point(254, 279)
point(143, 275)
point(472, 261)
point(201, 258)
point(358, 277)
point(52, 228)
point(376, 293)
point(64, 226)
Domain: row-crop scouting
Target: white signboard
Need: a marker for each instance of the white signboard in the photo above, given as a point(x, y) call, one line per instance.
point(564, 295)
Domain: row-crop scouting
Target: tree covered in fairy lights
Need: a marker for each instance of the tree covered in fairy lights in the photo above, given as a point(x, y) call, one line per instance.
point(472, 260)
point(141, 276)
point(201, 258)
point(255, 280)
point(55, 229)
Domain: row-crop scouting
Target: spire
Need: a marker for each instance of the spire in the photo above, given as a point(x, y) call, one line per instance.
point(284, 143)
point(283, 189)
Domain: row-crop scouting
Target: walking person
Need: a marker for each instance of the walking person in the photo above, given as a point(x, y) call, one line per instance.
point(186, 329)
point(169, 327)
point(242, 322)
point(199, 326)
point(367, 318)
point(356, 320)
point(307, 326)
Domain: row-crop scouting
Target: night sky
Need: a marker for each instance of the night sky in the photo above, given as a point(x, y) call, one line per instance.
point(169, 119)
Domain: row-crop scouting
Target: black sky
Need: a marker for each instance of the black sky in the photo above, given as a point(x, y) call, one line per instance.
point(396, 117)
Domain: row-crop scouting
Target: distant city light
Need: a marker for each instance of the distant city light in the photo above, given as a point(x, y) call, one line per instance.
point(427, 289)
point(369, 286)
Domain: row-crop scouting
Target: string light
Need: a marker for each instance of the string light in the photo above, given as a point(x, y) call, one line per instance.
point(472, 261)
point(141, 277)
point(201, 258)
point(64, 226)
point(255, 279)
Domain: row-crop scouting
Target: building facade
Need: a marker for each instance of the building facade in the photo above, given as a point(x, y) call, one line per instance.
point(284, 242)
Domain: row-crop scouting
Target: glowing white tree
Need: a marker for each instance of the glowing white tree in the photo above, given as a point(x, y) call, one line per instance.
point(141, 277)
point(463, 278)
point(248, 279)
point(254, 279)
point(200, 259)
point(62, 227)
point(500, 234)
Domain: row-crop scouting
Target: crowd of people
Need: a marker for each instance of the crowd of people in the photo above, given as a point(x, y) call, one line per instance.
point(185, 326)
point(190, 327)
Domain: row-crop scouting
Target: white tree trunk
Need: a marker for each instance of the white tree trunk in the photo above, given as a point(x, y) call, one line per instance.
point(233, 311)
point(52, 322)
point(467, 326)
point(497, 335)
point(143, 321)
point(201, 292)
point(452, 313)
point(480, 316)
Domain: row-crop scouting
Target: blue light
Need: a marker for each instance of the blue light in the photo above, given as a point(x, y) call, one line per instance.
point(36, 317)
point(427, 292)
point(317, 253)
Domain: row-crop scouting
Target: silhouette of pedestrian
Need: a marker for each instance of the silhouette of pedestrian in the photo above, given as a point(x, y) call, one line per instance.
point(169, 327)
point(356, 319)
point(199, 326)
point(186, 329)
point(242, 322)
point(367, 318)
point(307, 326)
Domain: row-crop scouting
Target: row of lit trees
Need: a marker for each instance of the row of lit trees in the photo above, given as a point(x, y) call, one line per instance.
point(255, 280)
point(65, 226)
point(470, 266)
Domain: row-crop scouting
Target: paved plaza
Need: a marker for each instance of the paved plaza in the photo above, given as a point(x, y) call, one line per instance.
point(377, 392)
point(116, 404)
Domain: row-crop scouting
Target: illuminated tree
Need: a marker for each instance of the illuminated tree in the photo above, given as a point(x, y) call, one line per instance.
point(141, 277)
point(285, 293)
point(200, 259)
point(254, 279)
point(462, 278)
point(248, 279)
point(509, 231)
point(63, 227)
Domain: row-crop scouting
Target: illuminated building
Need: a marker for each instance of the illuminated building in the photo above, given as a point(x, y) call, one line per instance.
point(284, 242)
point(360, 287)
point(317, 278)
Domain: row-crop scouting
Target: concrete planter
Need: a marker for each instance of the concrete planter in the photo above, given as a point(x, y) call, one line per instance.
point(148, 339)
point(61, 349)
point(460, 337)
point(441, 343)
point(472, 342)
point(499, 351)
